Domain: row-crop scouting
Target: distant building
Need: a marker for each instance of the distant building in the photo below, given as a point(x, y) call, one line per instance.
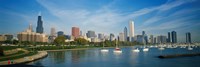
point(112, 37)
point(139, 38)
point(169, 38)
point(174, 37)
point(154, 40)
point(161, 39)
point(188, 37)
point(60, 33)
point(75, 32)
point(31, 36)
point(132, 31)
point(5, 37)
point(52, 36)
point(39, 28)
point(125, 34)
point(121, 37)
point(91, 34)
point(151, 39)
point(145, 37)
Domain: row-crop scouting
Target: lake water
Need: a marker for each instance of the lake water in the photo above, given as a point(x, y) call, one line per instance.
point(95, 58)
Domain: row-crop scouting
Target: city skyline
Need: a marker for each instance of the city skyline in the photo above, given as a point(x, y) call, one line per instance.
point(156, 18)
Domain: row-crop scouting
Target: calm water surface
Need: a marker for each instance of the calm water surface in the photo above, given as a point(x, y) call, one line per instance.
point(95, 58)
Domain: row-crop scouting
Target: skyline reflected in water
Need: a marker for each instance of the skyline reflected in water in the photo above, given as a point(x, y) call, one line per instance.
point(96, 58)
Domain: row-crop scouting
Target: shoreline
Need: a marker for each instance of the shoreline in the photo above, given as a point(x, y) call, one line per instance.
point(39, 55)
point(82, 48)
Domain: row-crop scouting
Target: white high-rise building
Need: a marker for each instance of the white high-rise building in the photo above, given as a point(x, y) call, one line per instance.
point(121, 36)
point(132, 31)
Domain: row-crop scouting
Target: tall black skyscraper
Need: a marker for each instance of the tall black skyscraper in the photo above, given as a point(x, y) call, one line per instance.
point(188, 37)
point(174, 37)
point(169, 38)
point(39, 28)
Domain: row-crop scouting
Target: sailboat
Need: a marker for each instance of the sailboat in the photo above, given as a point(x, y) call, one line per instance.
point(117, 49)
point(103, 49)
point(189, 47)
point(161, 47)
point(145, 48)
point(136, 50)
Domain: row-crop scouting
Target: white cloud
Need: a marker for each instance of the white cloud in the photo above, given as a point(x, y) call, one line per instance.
point(104, 19)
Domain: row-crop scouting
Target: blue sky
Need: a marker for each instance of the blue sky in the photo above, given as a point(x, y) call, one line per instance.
point(156, 17)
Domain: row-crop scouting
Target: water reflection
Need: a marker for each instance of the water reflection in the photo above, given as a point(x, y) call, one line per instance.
point(76, 55)
point(57, 57)
point(128, 58)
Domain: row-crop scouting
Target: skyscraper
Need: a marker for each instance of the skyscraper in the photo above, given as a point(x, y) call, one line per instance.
point(52, 36)
point(53, 31)
point(75, 32)
point(161, 39)
point(188, 37)
point(60, 33)
point(144, 37)
point(174, 37)
point(151, 39)
point(125, 34)
point(169, 38)
point(132, 31)
point(112, 37)
point(91, 34)
point(121, 37)
point(39, 28)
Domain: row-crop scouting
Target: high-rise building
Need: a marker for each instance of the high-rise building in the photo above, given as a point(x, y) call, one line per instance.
point(91, 34)
point(53, 32)
point(154, 40)
point(39, 28)
point(161, 39)
point(151, 39)
point(6, 37)
point(169, 38)
point(139, 38)
point(143, 33)
point(188, 37)
point(31, 36)
point(174, 37)
point(121, 37)
point(100, 36)
point(60, 33)
point(112, 37)
point(145, 37)
point(125, 34)
point(52, 36)
point(132, 31)
point(75, 32)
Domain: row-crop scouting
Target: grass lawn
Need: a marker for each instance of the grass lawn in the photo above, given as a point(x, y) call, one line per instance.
point(19, 55)
point(10, 47)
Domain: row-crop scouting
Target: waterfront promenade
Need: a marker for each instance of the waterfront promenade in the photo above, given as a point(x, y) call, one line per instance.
point(39, 55)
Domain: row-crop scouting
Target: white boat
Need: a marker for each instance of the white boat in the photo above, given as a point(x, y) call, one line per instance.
point(189, 48)
point(145, 49)
point(104, 50)
point(117, 49)
point(136, 50)
point(161, 48)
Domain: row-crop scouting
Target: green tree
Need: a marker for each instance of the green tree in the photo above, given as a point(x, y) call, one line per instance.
point(60, 40)
point(81, 41)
